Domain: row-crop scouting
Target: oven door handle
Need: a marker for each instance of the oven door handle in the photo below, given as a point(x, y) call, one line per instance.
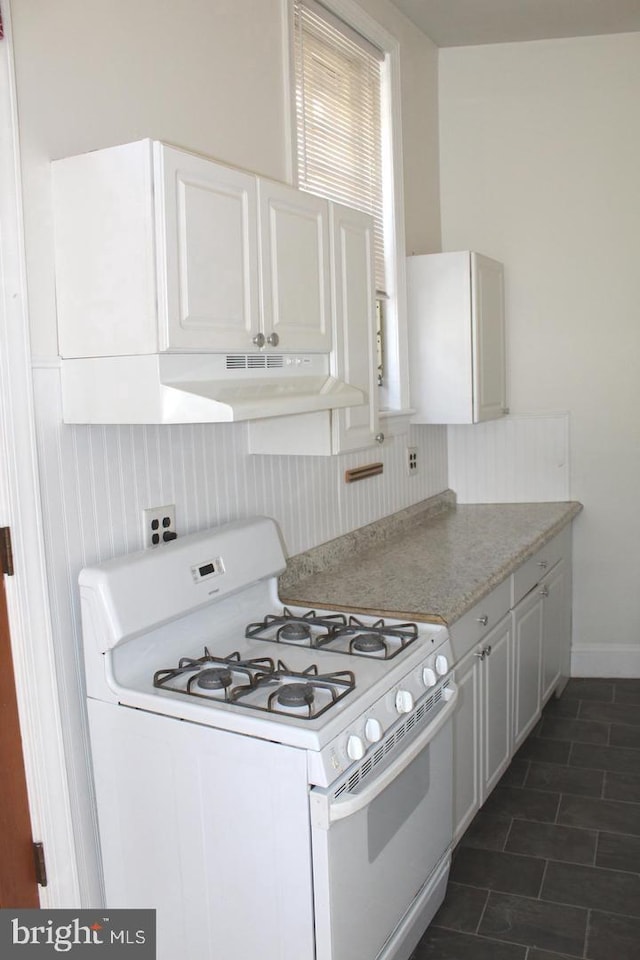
point(325, 812)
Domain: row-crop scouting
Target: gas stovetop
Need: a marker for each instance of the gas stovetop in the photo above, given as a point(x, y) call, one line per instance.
point(272, 685)
point(195, 630)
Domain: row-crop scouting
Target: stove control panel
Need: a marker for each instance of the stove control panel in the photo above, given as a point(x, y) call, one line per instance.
point(401, 698)
point(207, 569)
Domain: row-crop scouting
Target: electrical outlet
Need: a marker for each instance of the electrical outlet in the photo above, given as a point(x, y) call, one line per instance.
point(412, 461)
point(159, 525)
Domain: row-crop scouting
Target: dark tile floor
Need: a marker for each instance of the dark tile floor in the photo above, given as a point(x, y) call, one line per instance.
point(550, 867)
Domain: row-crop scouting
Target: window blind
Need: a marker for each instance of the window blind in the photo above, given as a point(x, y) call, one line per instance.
point(338, 118)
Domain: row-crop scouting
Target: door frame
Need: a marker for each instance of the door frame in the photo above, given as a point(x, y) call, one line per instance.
point(20, 508)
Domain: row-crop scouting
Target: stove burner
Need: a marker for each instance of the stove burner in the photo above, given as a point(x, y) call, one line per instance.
point(296, 695)
point(369, 643)
point(309, 629)
point(215, 678)
point(294, 631)
point(212, 678)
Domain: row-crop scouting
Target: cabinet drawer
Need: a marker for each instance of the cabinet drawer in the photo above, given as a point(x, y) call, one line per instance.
point(479, 620)
point(535, 568)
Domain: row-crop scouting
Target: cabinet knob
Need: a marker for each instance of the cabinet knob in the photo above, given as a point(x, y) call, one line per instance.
point(487, 650)
point(481, 655)
point(543, 564)
point(259, 340)
point(544, 592)
point(484, 620)
point(379, 438)
point(273, 339)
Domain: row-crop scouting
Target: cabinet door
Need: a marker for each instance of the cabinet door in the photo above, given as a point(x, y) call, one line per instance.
point(497, 736)
point(556, 626)
point(296, 287)
point(487, 284)
point(207, 254)
point(353, 358)
point(466, 744)
point(527, 642)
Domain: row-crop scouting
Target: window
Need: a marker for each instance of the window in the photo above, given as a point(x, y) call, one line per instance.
point(344, 144)
point(337, 97)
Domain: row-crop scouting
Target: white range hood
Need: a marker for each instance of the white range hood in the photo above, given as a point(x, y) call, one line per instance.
point(200, 388)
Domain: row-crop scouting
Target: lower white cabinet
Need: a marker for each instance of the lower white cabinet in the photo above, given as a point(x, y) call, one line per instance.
point(466, 745)
point(556, 628)
point(482, 723)
point(527, 642)
point(510, 672)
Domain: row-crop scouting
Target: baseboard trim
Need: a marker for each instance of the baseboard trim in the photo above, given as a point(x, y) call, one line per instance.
point(612, 660)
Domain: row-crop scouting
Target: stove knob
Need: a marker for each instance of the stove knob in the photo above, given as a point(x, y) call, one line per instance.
point(442, 664)
point(404, 701)
point(355, 747)
point(373, 730)
point(429, 677)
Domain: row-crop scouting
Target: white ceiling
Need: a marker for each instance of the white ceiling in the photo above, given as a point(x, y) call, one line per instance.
point(454, 23)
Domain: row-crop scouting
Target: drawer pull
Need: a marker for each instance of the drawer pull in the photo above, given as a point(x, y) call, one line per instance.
point(484, 620)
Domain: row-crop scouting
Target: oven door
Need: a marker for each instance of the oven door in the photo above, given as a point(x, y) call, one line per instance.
point(382, 838)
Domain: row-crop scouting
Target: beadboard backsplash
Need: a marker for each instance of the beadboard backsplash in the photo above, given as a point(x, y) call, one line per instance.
point(517, 459)
point(98, 479)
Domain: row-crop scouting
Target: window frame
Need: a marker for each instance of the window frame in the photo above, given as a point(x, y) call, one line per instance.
point(395, 393)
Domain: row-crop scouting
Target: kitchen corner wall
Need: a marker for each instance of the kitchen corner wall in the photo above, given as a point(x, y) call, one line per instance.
point(540, 152)
point(516, 459)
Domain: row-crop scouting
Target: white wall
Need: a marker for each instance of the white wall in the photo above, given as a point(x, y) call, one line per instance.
point(540, 153)
point(208, 76)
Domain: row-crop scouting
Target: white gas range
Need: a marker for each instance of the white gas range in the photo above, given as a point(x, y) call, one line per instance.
point(275, 782)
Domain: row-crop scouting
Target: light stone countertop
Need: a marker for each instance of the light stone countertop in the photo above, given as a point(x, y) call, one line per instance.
point(431, 562)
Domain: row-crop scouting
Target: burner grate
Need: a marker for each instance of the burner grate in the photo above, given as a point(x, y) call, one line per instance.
point(309, 629)
point(257, 684)
point(201, 667)
point(317, 691)
point(335, 632)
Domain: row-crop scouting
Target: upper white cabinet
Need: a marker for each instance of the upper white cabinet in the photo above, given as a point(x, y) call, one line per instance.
point(353, 355)
point(207, 254)
point(456, 337)
point(354, 299)
point(296, 282)
point(159, 250)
